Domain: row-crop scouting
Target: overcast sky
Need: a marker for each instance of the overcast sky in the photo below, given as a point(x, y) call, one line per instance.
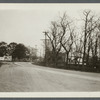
point(25, 23)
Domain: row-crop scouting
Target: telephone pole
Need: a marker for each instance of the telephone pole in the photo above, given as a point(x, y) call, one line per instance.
point(99, 47)
point(45, 33)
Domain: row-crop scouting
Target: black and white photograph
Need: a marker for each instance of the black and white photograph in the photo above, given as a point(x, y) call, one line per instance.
point(50, 48)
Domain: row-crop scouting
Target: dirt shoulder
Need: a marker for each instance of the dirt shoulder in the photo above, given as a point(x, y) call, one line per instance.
point(9, 64)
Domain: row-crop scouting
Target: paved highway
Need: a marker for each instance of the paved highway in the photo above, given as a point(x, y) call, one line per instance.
point(26, 77)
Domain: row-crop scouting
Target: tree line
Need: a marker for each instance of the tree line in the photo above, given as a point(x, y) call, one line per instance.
point(19, 52)
point(72, 45)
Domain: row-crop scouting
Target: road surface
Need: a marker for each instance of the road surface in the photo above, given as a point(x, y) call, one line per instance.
point(26, 77)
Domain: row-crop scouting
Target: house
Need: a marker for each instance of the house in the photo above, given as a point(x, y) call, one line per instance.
point(1, 58)
point(6, 58)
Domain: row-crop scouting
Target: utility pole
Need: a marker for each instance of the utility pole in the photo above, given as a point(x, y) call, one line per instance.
point(45, 33)
point(99, 47)
point(40, 54)
point(36, 50)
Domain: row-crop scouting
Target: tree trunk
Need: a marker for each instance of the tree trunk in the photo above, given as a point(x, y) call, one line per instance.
point(54, 59)
point(87, 58)
point(67, 57)
point(84, 51)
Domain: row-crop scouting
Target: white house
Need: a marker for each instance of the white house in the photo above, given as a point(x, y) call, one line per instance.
point(6, 58)
point(1, 58)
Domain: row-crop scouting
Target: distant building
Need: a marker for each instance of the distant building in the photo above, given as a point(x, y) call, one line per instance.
point(1, 58)
point(48, 44)
point(6, 58)
point(32, 54)
point(33, 51)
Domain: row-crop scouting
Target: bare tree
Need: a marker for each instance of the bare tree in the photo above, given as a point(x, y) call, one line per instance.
point(54, 37)
point(90, 24)
point(67, 36)
point(61, 35)
point(78, 46)
point(95, 45)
